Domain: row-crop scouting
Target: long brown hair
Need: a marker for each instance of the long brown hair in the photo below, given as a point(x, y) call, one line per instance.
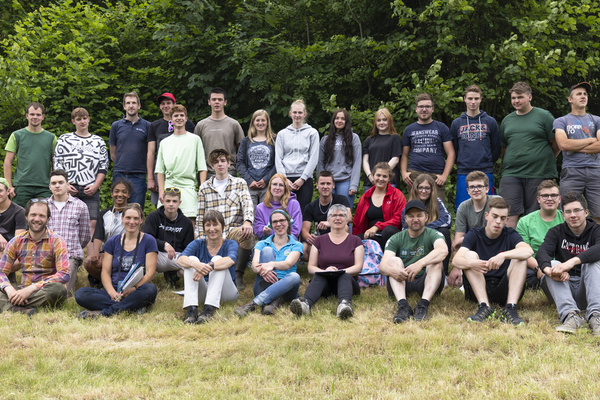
point(433, 210)
point(286, 192)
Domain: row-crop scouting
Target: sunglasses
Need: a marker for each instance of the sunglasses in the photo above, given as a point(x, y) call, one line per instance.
point(172, 190)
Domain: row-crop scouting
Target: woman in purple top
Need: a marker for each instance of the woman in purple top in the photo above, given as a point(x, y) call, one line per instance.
point(334, 260)
point(278, 196)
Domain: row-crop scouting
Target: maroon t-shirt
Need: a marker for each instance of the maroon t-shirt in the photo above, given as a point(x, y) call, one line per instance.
point(340, 255)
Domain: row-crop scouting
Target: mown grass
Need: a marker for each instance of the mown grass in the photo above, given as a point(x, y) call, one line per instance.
point(156, 356)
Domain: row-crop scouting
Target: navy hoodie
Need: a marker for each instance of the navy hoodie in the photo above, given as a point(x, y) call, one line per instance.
point(476, 142)
point(178, 233)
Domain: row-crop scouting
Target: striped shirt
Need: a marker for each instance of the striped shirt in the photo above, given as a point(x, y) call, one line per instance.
point(72, 223)
point(235, 204)
point(44, 261)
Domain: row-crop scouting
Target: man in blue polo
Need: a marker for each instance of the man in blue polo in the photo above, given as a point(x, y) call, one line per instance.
point(128, 142)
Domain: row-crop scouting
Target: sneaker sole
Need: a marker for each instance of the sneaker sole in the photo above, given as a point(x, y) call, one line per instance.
point(296, 308)
point(345, 313)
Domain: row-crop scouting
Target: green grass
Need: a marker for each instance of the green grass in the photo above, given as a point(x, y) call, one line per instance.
point(156, 356)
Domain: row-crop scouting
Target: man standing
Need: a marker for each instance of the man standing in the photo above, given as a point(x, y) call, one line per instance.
point(534, 226)
point(172, 230)
point(529, 149)
point(43, 258)
point(426, 141)
point(229, 196)
point(569, 257)
point(128, 142)
point(33, 147)
point(413, 259)
point(577, 136)
point(70, 220)
point(85, 159)
point(160, 129)
point(494, 260)
point(12, 217)
point(316, 211)
point(218, 131)
point(476, 142)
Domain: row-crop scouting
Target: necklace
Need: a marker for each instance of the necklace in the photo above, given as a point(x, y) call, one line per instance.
point(327, 209)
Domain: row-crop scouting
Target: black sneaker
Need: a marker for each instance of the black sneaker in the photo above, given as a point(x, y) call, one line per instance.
point(23, 310)
point(87, 314)
point(483, 312)
point(511, 315)
point(421, 312)
point(206, 314)
point(344, 310)
point(404, 312)
point(242, 311)
point(171, 278)
point(191, 315)
point(270, 309)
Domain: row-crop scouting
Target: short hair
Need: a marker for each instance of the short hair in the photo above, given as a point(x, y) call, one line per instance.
point(38, 200)
point(520, 88)
point(547, 184)
point(390, 119)
point(337, 207)
point(123, 182)
point(60, 172)
point(498, 202)
point(34, 105)
point(473, 88)
point(324, 174)
point(386, 167)
point(214, 156)
point(80, 112)
point(213, 216)
point(172, 193)
point(133, 206)
point(478, 176)
point(131, 94)
point(218, 90)
point(424, 96)
point(571, 197)
point(178, 108)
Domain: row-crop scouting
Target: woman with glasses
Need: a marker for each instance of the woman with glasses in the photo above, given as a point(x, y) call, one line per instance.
point(384, 145)
point(335, 260)
point(278, 196)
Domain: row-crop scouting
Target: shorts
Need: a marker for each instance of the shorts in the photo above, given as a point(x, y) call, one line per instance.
point(417, 285)
point(92, 202)
point(585, 181)
point(520, 193)
point(496, 288)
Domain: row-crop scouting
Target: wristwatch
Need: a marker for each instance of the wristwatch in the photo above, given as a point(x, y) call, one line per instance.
point(211, 265)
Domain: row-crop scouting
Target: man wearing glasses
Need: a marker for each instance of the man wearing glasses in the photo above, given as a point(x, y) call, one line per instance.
point(534, 226)
point(569, 257)
point(426, 141)
point(577, 136)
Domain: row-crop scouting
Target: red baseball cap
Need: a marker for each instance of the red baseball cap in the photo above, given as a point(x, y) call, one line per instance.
point(165, 95)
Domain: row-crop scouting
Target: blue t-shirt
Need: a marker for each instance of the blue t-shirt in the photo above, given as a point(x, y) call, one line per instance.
point(113, 247)
point(477, 241)
point(198, 248)
point(283, 253)
point(132, 145)
point(579, 127)
point(426, 144)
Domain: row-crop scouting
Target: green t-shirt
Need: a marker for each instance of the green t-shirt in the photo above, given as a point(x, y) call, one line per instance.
point(34, 156)
point(528, 150)
point(533, 228)
point(411, 250)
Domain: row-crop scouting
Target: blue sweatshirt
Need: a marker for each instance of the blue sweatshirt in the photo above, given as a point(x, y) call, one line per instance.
point(476, 142)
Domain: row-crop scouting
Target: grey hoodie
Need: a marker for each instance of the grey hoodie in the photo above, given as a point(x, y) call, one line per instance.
point(297, 151)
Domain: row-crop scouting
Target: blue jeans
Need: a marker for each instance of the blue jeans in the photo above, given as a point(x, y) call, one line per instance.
point(461, 188)
point(286, 287)
point(98, 299)
point(342, 187)
point(138, 185)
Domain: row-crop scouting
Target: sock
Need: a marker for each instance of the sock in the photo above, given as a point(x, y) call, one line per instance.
point(403, 301)
point(423, 302)
point(511, 306)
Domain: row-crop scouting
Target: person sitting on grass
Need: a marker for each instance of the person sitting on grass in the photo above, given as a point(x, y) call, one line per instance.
point(274, 263)
point(494, 261)
point(569, 257)
point(413, 259)
point(121, 253)
point(208, 270)
point(335, 260)
point(43, 259)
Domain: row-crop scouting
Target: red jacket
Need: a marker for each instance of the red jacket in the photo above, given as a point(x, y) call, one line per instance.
point(393, 204)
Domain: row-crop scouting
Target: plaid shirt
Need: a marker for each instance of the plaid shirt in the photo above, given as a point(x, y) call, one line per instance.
point(235, 204)
point(43, 261)
point(72, 223)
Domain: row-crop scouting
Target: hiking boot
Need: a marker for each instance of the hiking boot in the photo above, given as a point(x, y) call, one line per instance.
point(206, 314)
point(571, 323)
point(270, 309)
point(300, 307)
point(191, 315)
point(344, 311)
point(239, 281)
point(24, 310)
point(87, 314)
point(483, 312)
point(171, 278)
point(594, 322)
point(142, 310)
point(421, 312)
point(404, 312)
point(511, 315)
point(242, 311)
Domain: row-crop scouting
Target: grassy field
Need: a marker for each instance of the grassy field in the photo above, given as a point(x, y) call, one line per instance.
point(155, 356)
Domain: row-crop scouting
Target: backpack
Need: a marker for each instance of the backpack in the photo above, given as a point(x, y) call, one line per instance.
point(370, 276)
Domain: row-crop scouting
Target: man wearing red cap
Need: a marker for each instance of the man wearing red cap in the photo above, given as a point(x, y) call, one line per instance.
point(160, 129)
point(577, 136)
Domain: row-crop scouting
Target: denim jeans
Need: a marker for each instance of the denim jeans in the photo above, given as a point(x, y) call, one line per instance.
point(286, 287)
point(138, 185)
point(342, 187)
point(98, 299)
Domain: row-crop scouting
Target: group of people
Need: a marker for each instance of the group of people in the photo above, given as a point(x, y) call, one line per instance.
point(208, 220)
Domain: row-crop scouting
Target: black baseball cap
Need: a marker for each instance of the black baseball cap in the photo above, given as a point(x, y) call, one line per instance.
point(415, 204)
point(584, 85)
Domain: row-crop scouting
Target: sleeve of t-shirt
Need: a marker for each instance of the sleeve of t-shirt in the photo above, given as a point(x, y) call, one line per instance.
point(11, 145)
point(20, 220)
point(392, 244)
point(159, 168)
point(112, 136)
point(239, 134)
point(99, 230)
point(150, 244)
point(366, 144)
point(261, 244)
point(152, 133)
point(231, 249)
point(308, 215)
point(192, 249)
point(548, 122)
point(189, 126)
point(461, 219)
point(515, 238)
point(470, 240)
point(151, 228)
point(317, 243)
point(503, 142)
point(523, 230)
point(111, 245)
point(406, 138)
point(397, 146)
point(356, 241)
point(444, 132)
point(297, 246)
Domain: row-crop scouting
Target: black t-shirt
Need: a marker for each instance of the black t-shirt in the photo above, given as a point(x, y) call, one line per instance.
point(374, 213)
point(486, 248)
point(11, 220)
point(382, 148)
point(159, 130)
point(315, 212)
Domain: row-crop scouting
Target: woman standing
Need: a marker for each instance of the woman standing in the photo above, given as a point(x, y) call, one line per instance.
point(297, 153)
point(256, 156)
point(384, 145)
point(339, 153)
point(121, 253)
point(335, 259)
point(278, 196)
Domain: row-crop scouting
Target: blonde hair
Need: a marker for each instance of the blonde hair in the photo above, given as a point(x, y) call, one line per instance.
point(388, 115)
point(252, 132)
point(301, 103)
point(286, 192)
